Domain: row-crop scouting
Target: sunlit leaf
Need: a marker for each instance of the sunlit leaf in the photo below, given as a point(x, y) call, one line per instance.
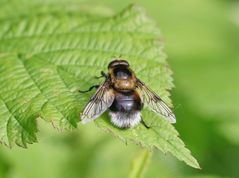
point(46, 57)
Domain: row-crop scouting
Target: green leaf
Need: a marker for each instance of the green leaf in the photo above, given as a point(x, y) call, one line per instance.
point(46, 56)
point(161, 135)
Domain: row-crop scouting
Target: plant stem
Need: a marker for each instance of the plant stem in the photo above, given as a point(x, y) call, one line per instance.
point(139, 164)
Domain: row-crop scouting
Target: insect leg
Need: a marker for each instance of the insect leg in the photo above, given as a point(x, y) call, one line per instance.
point(144, 124)
point(94, 86)
point(102, 75)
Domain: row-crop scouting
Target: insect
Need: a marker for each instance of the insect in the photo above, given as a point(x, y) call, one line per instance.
point(124, 96)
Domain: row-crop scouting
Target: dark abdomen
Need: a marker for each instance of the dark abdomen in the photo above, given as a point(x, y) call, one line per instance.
point(126, 102)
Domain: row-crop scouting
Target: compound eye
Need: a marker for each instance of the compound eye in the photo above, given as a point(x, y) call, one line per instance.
point(117, 63)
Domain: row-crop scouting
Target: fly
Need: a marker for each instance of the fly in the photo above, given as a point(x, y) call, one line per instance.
point(124, 96)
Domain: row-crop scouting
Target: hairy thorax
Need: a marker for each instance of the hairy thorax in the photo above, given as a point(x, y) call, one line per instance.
point(123, 79)
point(124, 85)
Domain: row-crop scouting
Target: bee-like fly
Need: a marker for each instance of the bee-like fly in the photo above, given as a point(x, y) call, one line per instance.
point(124, 95)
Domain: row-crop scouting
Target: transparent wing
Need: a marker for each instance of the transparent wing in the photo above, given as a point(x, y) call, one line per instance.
point(154, 102)
point(99, 103)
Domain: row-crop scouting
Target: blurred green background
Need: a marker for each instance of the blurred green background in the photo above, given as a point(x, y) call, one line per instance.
point(202, 44)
